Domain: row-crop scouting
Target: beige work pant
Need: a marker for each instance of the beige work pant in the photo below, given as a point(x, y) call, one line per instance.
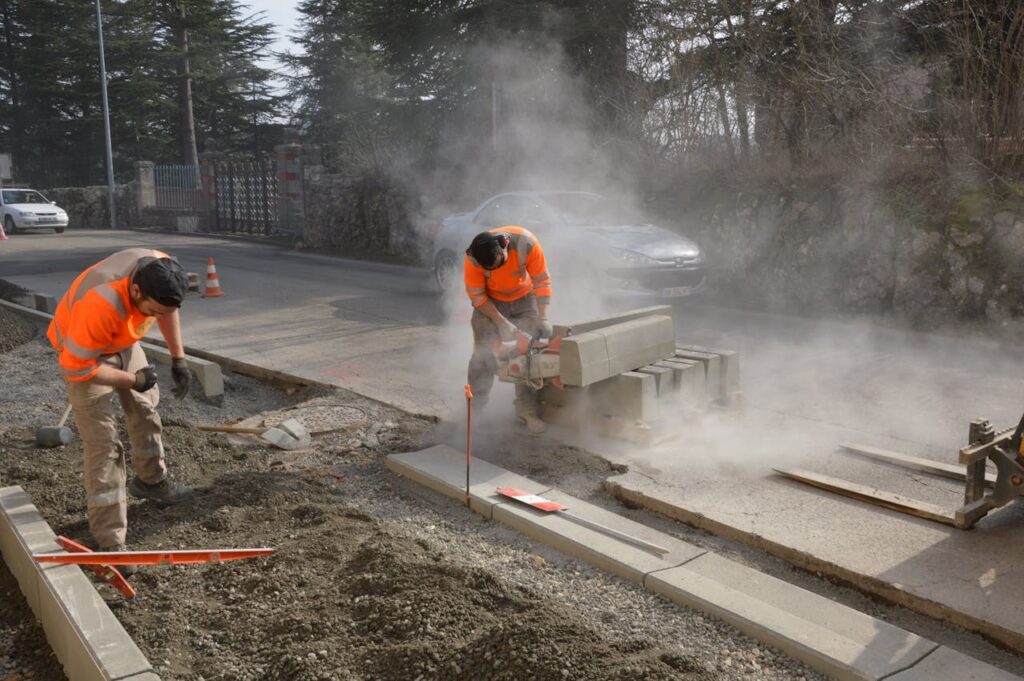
point(483, 364)
point(105, 469)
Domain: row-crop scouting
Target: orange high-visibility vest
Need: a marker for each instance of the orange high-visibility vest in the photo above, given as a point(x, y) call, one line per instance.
point(96, 316)
point(524, 272)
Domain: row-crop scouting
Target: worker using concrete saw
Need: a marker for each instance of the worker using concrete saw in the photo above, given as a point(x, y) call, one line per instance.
point(508, 283)
point(95, 330)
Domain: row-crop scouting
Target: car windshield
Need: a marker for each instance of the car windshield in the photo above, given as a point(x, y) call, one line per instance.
point(23, 196)
point(587, 210)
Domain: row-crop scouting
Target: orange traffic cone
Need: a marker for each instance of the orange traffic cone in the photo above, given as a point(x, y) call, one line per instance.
point(212, 283)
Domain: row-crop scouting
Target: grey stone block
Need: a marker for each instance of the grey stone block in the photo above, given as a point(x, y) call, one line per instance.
point(712, 370)
point(692, 382)
point(630, 395)
point(443, 469)
point(584, 359)
point(606, 552)
point(596, 355)
point(85, 636)
point(87, 628)
point(946, 663)
point(45, 303)
point(664, 381)
point(729, 367)
point(209, 374)
point(601, 322)
point(834, 639)
point(639, 342)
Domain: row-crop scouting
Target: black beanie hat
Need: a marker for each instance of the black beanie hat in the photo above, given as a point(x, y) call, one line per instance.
point(163, 280)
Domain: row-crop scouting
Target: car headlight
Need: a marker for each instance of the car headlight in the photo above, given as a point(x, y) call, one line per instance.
point(27, 214)
point(632, 257)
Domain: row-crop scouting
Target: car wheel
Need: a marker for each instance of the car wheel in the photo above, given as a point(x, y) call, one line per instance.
point(446, 270)
point(9, 226)
point(58, 230)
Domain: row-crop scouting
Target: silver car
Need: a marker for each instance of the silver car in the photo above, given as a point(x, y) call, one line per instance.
point(22, 209)
point(584, 235)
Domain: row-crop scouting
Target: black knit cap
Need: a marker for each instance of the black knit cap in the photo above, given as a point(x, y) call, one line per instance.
point(163, 280)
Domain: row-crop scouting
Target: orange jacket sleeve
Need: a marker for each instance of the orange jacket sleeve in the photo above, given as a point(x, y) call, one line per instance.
point(90, 330)
point(537, 268)
point(476, 282)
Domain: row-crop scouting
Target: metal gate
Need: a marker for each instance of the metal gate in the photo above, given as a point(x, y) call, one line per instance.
point(177, 187)
point(246, 196)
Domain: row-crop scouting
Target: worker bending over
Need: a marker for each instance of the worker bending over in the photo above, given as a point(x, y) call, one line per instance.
point(508, 283)
point(96, 329)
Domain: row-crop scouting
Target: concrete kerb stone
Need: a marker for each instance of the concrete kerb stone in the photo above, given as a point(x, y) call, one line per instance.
point(211, 379)
point(712, 370)
point(729, 366)
point(629, 395)
point(601, 322)
point(45, 303)
point(832, 638)
point(210, 376)
point(85, 636)
point(692, 381)
point(602, 353)
point(443, 469)
point(835, 639)
point(664, 381)
point(608, 553)
point(946, 663)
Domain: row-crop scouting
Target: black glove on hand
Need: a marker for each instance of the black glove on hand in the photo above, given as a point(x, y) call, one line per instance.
point(182, 376)
point(145, 378)
point(544, 329)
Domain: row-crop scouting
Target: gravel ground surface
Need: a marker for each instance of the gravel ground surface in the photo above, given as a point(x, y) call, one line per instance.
point(374, 577)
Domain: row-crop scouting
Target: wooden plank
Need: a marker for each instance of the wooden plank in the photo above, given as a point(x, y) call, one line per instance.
point(946, 470)
point(878, 497)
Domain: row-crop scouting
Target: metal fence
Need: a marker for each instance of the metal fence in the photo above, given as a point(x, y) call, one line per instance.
point(246, 196)
point(177, 187)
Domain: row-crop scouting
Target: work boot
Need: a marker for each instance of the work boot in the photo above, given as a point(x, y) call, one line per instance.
point(533, 422)
point(125, 570)
point(166, 492)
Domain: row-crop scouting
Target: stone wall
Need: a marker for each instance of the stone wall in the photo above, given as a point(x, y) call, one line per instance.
point(859, 250)
point(87, 206)
point(360, 215)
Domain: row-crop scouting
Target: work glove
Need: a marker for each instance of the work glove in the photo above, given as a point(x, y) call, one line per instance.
point(145, 378)
point(544, 329)
point(507, 330)
point(182, 377)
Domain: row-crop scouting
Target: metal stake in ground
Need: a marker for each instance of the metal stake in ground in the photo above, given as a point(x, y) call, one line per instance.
point(549, 506)
point(469, 436)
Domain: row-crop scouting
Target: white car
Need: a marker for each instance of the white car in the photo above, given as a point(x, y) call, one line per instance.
point(589, 239)
point(28, 209)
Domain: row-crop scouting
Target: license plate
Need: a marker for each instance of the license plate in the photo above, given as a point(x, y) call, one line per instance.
point(675, 291)
point(47, 219)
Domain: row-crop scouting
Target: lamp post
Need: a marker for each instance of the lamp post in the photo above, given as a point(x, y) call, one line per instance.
point(106, 119)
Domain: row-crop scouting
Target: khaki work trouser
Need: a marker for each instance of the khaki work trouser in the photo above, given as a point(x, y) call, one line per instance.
point(105, 470)
point(483, 365)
